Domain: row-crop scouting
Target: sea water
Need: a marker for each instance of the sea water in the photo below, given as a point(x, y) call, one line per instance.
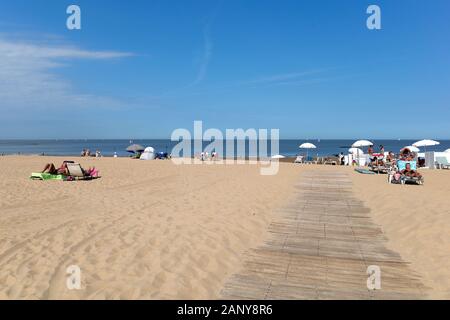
point(287, 147)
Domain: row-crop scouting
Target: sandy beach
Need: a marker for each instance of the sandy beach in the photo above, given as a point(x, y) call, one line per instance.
point(416, 220)
point(154, 230)
point(146, 229)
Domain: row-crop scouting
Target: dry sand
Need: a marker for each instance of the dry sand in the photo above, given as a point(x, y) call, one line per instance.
point(151, 229)
point(146, 229)
point(416, 220)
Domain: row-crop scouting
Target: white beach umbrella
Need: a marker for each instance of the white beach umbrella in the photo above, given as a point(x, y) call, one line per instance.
point(412, 148)
point(307, 146)
point(362, 143)
point(425, 143)
point(355, 150)
point(278, 156)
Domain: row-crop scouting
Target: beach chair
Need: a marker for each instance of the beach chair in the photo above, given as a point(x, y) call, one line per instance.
point(442, 163)
point(378, 168)
point(403, 179)
point(75, 170)
point(299, 159)
point(331, 161)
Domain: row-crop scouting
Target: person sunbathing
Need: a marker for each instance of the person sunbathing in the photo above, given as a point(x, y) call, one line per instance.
point(50, 168)
point(410, 172)
point(390, 157)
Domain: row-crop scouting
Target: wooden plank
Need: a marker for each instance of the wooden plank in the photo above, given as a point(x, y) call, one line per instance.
point(319, 247)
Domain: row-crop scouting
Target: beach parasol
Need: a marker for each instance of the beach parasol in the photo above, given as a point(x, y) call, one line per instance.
point(135, 148)
point(362, 143)
point(278, 156)
point(307, 146)
point(425, 143)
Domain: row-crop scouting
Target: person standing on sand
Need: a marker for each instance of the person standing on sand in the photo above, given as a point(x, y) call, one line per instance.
point(341, 159)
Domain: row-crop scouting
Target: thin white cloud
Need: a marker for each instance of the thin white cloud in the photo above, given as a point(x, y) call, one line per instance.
point(207, 55)
point(28, 78)
point(282, 78)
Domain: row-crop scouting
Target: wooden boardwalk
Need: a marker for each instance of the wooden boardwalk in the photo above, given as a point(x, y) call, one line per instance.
point(320, 247)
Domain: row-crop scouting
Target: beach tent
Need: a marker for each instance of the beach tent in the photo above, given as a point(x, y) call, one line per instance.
point(307, 146)
point(148, 154)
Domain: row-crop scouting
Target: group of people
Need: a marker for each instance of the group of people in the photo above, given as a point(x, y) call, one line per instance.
point(380, 159)
point(205, 155)
point(376, 158)
point(87, 153)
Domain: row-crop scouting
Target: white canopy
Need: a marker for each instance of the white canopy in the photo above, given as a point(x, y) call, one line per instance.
point(307, 145)
point(355, 151)
point(412, 148)
point(148, 154)
point(278, 156)
point(362, 143)
point(425, 143)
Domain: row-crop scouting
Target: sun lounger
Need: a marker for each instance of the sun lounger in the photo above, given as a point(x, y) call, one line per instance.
point(364, 171)
point(442, 163)
point(299, 159)
point(75, 171)
point(331, 161)
point(406, 180)
point(378, 168)
point(403, 179)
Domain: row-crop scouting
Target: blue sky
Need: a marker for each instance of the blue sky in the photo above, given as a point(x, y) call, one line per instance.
point(140, 69)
